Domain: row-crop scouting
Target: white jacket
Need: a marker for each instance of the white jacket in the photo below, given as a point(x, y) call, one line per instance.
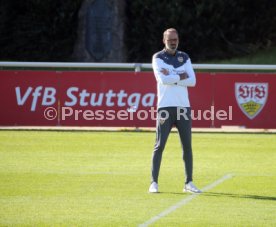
point(171, 91)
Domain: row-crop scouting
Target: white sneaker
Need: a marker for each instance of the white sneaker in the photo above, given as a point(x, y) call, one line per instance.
point(153, 187)
point(190, 187)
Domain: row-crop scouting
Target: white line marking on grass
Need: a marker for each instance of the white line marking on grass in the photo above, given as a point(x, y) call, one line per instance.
point(184, 201)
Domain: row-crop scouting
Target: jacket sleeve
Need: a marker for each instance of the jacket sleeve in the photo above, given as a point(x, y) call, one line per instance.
point(158, 65)
point(191, 80)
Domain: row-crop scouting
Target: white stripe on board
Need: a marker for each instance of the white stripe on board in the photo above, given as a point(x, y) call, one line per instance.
point(184, 201)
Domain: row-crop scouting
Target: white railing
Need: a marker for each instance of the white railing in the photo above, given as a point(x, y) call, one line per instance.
point(136, 66)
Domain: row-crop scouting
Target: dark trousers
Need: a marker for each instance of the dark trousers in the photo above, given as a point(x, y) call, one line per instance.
point(167, 118)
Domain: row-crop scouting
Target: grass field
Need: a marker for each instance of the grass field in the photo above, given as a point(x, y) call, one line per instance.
point(102, 179)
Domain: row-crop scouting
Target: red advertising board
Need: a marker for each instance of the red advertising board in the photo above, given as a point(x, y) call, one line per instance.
point(24, 97)
point(201, 99)
point(128, 99)
point(109, 98)
point(251, 95)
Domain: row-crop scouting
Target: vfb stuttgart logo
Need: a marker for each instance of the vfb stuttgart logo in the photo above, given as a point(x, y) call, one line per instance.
point(251, 97)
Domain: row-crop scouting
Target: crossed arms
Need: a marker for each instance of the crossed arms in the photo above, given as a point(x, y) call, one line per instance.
point(166, 77)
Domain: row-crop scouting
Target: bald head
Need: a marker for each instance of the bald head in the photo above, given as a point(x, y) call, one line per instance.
point(168, 31)
point(170, 39)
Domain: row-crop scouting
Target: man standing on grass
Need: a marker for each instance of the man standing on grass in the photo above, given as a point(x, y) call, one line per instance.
point(174, 73)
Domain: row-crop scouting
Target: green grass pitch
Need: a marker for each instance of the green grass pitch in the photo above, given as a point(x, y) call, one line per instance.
point(102, 179)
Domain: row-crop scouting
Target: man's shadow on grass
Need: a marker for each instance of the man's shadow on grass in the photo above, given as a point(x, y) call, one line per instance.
point(258, 197)
point(231, 195)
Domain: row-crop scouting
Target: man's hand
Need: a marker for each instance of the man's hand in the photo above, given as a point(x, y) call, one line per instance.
point(183, 76)
point(165, 71)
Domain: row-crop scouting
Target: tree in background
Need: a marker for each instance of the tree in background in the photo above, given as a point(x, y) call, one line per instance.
point(38, 30)
point(208, 29)
point(46, 30)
